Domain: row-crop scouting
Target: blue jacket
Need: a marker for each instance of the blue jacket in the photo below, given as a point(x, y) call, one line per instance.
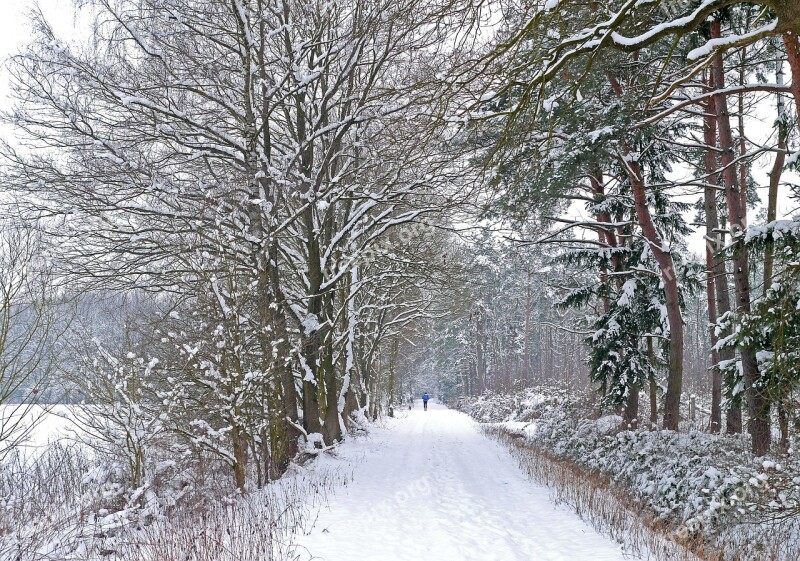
point(425, 397)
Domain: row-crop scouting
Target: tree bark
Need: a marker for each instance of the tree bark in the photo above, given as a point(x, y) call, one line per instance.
point(480, 349)
point(671, 292)
point(792, 42)
point(788, 14)
point(653, 385)
point(666, 264)
point(270, 291)
point(742, 137)
point(332, 430)
point(775, 180)
point(783, 425)
point(757, 403)
point(528, 302)
point(772, 214)
point(716, 375)
point(632, 407)
point(606, 236)
point(712, 225)
point(312, 336)
point(393, 371)
point(239, 458)
point(289, 446)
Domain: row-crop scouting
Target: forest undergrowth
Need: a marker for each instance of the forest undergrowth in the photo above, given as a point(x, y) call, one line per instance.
point(69, 504)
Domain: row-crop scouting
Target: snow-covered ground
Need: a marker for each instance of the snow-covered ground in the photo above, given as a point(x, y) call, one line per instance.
point(434, 488)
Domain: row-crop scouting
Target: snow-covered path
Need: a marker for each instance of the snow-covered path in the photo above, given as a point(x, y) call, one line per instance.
point(435, 489)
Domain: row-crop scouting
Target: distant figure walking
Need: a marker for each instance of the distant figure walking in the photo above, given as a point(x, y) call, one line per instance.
point(425, 398)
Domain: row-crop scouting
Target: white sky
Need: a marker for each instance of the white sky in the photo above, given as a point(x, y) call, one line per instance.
point(14, 30)
point(14, 27)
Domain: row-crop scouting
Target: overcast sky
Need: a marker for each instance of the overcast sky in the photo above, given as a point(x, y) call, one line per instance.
point(14, 28)
point(15, 31)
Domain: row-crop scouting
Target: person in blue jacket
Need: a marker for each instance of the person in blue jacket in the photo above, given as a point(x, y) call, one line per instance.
point(425, 398)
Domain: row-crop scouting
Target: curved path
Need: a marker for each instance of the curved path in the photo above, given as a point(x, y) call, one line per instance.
point(433, 488)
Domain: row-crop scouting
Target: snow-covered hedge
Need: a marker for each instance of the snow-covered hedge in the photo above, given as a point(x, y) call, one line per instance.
point(694, 480)
point(524, 405)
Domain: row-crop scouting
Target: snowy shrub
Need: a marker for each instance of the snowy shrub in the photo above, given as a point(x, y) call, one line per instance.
point(697, 479)
point(359, 424)
point(698, 485)
point(523, 405)
point(67, 504)
point(51, 483)
point(108, 494)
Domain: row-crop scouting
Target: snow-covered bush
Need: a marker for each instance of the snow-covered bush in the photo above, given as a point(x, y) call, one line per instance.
point(51, 483)
point(697, 484)
point(523, 405)
point(115, 420)
point(65, 504)
point(693, 478)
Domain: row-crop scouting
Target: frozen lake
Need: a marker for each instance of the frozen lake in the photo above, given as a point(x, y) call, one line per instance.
point(46, 423)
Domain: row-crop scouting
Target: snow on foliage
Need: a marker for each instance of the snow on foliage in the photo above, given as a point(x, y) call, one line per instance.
point(696, 482)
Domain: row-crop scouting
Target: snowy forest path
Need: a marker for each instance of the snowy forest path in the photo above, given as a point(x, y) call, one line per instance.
point(434, 488)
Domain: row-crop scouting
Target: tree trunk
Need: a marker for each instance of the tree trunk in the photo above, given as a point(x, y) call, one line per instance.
point(480, 350)
point(528, 302)
point(757, 404)
point(631, 417)
point(775, 179)
point(286, 449)
point(365, 383)
point(792, 43)
point(653, 385)
point(239, 458)
point(350, 405)
point(606, 236)
point(312, 331)
point(772, 214)
point(788, 14)
point(393, 370)
point(663, 257)
point(783, 425)
point(716, 375)
point(283, 431)
point(333, 426)
point(712, 225)
point(742, 137)
point(671, 292)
